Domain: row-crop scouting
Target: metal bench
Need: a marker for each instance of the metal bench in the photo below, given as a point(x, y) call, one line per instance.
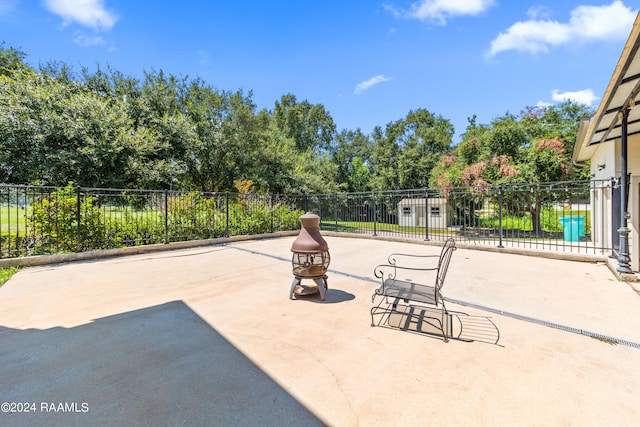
point(420, 291)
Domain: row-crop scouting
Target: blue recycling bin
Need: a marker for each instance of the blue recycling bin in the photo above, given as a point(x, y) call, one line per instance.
point(573, 228)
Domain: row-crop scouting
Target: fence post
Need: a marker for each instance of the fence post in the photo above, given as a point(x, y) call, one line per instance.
point(78, 221)
point(271, 212)
point(426, 214)
point(335, 210)
point(166, 217)
point(500, 215)
point(375, 214)
point(226, 230)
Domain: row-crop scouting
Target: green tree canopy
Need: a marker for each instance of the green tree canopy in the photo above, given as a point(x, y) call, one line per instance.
point(409, 149)
point(103, 128)
point(530, 148)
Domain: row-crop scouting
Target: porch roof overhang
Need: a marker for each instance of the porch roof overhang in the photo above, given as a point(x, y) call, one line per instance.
point(622, 93)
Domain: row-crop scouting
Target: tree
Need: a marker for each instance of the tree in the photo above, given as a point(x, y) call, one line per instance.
point(423, 137)
point(529, 148)
point(53, 132)
point(384, 161)
point(409, 149)
point(11, 60)
point(275, 159)
point(309, 125)
point(352, 154)
point(226, 134)
point(560, 121)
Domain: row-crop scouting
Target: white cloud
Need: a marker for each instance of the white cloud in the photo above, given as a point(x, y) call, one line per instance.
point(537, 12)
point(604, 22)
point(587, 23)
point(531, 36)
point(8, 6)
point(439, 10)
point(84, 40)
point(586, 96)
point(361, 87)
point(392, 10)
point(89, 13)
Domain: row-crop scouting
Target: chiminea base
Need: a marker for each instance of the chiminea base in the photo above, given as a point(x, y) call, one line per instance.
point(297, 288)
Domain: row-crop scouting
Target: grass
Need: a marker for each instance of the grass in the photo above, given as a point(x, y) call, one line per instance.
point(13, 219)
point(550, 221)
point(605, 340)
point(356, 226)
point(6, 273)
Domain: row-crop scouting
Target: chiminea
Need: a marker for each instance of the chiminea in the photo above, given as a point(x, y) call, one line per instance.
point(310, 258)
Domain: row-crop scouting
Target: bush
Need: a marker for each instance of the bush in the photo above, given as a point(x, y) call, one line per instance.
point(192, 216)
point(53, 222)
point(250, 215)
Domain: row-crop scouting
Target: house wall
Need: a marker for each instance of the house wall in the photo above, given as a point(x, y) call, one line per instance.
point(606, 163)
point(601, 205)
point(633, 165)
point(603, 167)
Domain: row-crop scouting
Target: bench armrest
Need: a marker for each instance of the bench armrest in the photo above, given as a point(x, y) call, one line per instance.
point(407, 259)
point(389, 273)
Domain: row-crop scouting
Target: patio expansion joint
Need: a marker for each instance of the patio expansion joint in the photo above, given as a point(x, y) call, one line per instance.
point(541, 322)
point(565, 328)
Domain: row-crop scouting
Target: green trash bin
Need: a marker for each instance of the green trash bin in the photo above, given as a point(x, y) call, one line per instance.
point(573, 228)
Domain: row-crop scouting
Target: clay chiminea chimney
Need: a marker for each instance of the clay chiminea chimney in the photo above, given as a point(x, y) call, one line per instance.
point(309, 241)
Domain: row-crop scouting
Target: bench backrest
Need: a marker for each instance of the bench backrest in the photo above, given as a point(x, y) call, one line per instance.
point(443, 262)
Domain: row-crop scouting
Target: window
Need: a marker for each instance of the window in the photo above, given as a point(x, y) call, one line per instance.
point(435, 210)
point(406, 210)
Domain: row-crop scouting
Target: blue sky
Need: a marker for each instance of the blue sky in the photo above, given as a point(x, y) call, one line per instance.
point(368, 62)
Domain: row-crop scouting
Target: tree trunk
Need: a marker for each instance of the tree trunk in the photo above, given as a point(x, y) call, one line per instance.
point(535, 207)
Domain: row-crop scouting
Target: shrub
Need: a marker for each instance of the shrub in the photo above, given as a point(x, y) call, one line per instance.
point(191, 215)
point(53, 221)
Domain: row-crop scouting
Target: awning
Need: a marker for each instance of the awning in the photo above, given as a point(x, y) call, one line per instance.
point(623, 92)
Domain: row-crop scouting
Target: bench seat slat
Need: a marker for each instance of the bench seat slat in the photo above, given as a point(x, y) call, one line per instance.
point(413, 292)
point(407, 290)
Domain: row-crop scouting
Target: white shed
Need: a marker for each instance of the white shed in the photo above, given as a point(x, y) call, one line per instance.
point(413, 213)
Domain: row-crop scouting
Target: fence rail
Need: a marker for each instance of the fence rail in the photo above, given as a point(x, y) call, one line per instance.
point(561, 216)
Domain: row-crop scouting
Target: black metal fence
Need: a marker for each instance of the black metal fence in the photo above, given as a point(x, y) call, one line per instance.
point(37, 220)
point(561, 216)
point(564, 216)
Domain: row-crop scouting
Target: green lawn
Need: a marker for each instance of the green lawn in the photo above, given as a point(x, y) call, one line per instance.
point(6, 273)
point(13, 219)
point(550, 221)
point(357, 226)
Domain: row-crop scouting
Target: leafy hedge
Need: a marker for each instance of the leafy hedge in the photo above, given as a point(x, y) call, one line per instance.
point(68, 221)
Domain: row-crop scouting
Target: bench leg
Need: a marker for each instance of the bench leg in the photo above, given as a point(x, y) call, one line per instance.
point(445, 314)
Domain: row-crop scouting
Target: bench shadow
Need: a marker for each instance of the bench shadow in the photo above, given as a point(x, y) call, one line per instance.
point(458, 326)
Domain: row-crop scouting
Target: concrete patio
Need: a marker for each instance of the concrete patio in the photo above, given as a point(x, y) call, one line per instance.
point(208, 336)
